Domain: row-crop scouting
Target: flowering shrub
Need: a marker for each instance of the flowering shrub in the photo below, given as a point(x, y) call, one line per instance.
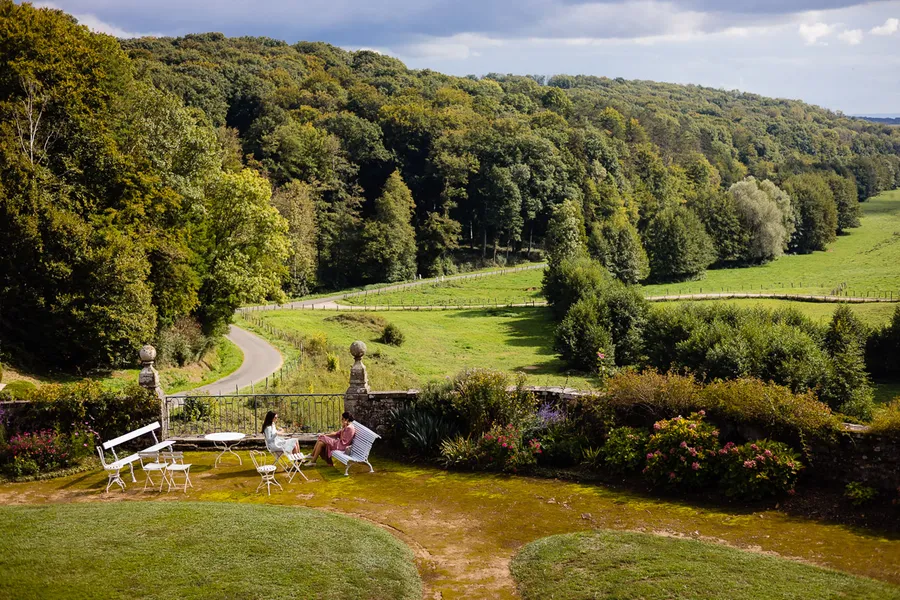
point(504, 448)
point(759, 469)
point(682, 452)
point(31, 453)
point(501, 448)
point(624, 449)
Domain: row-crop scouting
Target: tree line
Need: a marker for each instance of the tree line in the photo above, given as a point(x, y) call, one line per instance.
point(153, 180)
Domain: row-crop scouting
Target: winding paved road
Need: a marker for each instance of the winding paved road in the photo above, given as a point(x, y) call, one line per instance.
point(261, 359)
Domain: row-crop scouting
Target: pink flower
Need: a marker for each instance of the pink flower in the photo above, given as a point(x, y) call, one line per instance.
point(504, 444)
point(692, 452)
point(601, 356)
point(683, 444)
point(792, 491)
point(716, 432)
point(754, 447)
point(702, 413)
point(695, 466)
point(671, 475)
point(768, 453)
point(692, 426)
point(649, 455)
point(749, 464)
point(657, 426)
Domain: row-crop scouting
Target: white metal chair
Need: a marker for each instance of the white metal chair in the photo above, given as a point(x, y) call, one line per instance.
point(113, 471)
point(290, 462)
point(265, 470)
point(359, 449)
point(175, 464)
point(150, 463)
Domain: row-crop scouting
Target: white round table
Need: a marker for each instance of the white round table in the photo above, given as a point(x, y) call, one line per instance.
point(225, 441)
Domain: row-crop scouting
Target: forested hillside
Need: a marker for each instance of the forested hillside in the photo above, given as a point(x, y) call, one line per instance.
point(150, 186)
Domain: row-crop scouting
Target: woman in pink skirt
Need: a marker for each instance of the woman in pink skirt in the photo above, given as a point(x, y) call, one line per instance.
point(338, 440)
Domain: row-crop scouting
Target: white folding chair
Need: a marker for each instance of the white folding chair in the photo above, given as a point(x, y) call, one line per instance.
point(290, 462)
point(150, 463)
point(113, 471)
point(175, 464)
point(265, 470)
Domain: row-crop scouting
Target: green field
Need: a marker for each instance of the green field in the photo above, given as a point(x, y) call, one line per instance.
point(438, 344)
point(518, 287)
point(639, 566)
point(197, 550)
point(867, 260)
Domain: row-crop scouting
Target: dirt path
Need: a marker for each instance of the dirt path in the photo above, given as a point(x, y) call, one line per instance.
point(466, 527)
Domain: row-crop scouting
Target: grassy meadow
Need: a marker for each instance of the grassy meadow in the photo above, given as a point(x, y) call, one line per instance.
point(438, 344)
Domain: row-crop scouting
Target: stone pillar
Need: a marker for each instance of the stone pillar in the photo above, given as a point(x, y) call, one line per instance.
point(358, 393)
point(149, 379)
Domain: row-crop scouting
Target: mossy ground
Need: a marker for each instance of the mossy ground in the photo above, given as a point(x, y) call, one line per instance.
point(465, 527)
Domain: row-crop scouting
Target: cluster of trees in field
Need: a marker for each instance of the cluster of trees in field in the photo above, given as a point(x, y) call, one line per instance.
point(151, 180)
point(605, 325)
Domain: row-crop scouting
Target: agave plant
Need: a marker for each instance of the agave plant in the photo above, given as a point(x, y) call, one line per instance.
point(420, 430)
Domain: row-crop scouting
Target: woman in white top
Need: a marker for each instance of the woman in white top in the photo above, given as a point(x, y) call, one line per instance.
point(274, 441)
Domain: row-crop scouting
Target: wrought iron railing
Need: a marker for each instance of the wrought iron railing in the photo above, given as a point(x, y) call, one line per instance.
point(245, 413)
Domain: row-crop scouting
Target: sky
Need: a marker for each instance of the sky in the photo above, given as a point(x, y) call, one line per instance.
point(840, 54)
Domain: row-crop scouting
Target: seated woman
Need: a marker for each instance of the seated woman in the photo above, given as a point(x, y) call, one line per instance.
point(336, 440)
point(274, 441)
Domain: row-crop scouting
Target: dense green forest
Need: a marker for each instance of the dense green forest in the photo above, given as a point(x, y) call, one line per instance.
point(155, 184)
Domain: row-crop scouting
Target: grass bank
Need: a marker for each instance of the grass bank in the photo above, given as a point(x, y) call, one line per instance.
point(640, 566)
point(221, 360)
point(196, 551)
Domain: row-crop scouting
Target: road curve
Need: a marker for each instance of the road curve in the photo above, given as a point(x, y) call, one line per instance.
point(261, 359)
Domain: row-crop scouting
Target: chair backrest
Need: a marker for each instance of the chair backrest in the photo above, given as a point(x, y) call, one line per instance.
point(260, 459)
point(152, 427)
point(362, 441)
point(172, 457)
point(148, 457)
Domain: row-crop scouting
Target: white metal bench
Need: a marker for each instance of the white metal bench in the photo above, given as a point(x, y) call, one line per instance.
point(359, 449)
point(121, 463)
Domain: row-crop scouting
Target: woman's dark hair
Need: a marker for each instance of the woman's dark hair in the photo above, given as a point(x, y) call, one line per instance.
point(270, 416)
point(347, 416)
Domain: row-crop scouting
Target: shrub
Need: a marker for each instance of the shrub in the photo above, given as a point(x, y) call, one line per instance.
point(196, 409)
point(624, 450)
point(19, 389)
point(859, 494)
point(572, 279)
point(438, 397)
point(36, 452)
point(760, 469)
point(561, 444)
point(887, 419)
point(421, 431)
point(652, 393)
point(504, 448)
point(66, 408)
point(459, 452)
point(332, 362)
point(681, 453)
point(317, 343)
point(392, 335)
point(483, 399)
point(582, 334)
point(182, 343)
point(770, 406)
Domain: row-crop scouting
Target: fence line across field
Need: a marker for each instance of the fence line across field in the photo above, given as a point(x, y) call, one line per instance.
point(187, 416)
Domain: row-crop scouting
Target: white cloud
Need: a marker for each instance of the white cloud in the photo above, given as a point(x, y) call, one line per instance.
point(889, 27)
point(96, 25)
point(811, 33)
point(851, 37)
point(455, 47)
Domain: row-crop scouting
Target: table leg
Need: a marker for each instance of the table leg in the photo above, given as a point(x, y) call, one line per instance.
point(225, 448)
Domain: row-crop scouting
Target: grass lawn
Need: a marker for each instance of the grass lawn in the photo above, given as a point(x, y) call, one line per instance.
point(223, 359)
point(197, 550)
point(640, 566)
point(438, 344)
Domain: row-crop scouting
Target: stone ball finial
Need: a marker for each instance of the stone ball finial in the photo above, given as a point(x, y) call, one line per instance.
point(148, 353)
point(358, 349)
